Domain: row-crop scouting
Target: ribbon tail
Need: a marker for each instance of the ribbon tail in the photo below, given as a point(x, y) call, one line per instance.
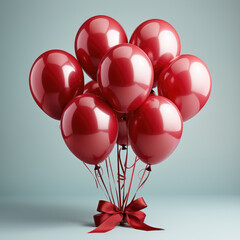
point(100, 218)
point(136, 223)
point(108, 224)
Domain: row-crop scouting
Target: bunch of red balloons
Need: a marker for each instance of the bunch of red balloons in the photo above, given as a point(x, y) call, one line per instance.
point(119, 105)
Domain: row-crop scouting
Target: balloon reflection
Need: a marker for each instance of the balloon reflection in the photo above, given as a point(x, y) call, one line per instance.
point(94, 38)
point(125, 77)
point(155, 129)
point(89, 128)
point(160, 41)
point(54, 80)
point(187, 82)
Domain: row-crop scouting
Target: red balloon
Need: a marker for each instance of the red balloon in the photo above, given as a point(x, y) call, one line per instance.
point(160, 41)
point(55, 78)
point(94, 38)
point(122, 129)
point(125, 77)
point(187, 82)
point(89, 128)
point(155, 129)
point(93, 88)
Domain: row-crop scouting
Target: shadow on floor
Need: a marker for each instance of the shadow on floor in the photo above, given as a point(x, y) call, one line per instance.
point(37, 213)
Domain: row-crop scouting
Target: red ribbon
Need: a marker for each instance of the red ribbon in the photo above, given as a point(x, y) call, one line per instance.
point(110, 216)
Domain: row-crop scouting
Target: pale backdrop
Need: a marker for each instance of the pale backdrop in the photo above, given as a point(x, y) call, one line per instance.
point(33, 157)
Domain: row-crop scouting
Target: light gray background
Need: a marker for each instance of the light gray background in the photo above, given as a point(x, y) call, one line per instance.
point(34, 160)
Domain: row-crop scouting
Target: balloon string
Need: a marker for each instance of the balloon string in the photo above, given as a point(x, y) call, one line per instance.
point(130, 184)
point(141, 186)
point(118, 169)
point(95, 179)
point(109, 182)
point(132, 165)
point(104, 185)
point(121, 165)
point(110, 165)
point(125, 172)
point(122, 176)
point(142, 182)
point(100, 184)
point(121, 197)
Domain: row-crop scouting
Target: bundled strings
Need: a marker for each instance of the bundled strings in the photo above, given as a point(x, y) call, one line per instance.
point(116, 189)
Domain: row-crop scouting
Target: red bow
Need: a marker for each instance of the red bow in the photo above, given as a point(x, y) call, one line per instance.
point(111, 216)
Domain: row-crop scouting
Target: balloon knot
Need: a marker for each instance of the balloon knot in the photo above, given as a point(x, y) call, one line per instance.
point(96, 167)
point(123, 118)
point(149, 168)
point(124, 147)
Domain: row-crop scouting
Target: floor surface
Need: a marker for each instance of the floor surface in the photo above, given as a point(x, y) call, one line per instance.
point(188, 218)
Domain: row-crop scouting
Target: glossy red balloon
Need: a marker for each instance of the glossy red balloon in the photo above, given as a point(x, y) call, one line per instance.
point(122, 129)
point(160, 41)
point(125, 77)
point(187, 82)
point(94, 38)
point(155, 129)
point(93, 88)
point(89, 128)
point(54, 80)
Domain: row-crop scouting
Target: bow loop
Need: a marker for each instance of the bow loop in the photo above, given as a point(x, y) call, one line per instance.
point(139, 214)
point(136, 205)
point(107, 207)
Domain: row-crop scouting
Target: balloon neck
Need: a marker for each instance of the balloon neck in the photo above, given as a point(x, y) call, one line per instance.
point(123, 117)
point(124, 147)
point(149, 169)
point(96, 167)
